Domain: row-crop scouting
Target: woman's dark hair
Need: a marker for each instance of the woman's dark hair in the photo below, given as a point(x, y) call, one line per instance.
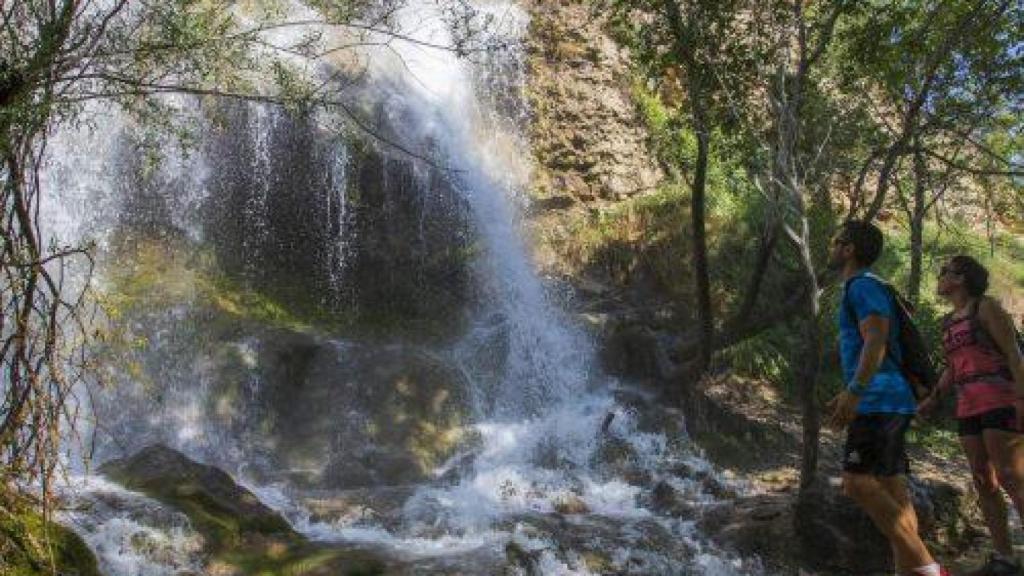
point(975, 275)
point(865, 238)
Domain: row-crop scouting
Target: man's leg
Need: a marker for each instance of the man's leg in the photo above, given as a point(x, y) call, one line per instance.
point(993, 507)
point(890, 517)
point(896, 487)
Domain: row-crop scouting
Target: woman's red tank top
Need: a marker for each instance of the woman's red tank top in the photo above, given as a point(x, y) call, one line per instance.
point(980, 371)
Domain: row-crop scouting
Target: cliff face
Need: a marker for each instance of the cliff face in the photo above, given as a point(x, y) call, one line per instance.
point(597, 218)
point(588, 142)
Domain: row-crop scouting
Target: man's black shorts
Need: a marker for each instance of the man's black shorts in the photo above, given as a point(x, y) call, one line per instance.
point(876, 445)
point(1004, 419)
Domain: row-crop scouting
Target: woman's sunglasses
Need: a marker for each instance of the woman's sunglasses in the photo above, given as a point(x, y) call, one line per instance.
point(947, 270)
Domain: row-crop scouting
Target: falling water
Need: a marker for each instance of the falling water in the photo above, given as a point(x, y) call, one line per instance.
point(544, 426)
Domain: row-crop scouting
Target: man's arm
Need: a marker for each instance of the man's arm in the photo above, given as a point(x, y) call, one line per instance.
point(874, 330)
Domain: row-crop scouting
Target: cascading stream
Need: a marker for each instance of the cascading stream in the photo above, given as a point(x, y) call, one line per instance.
point(539, 450)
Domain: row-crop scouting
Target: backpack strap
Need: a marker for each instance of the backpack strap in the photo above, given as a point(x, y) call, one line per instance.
point(981, 334)
point(848, 306)
point(894, 300)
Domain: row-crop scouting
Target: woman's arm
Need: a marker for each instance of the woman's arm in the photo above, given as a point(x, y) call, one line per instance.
point(999, 325)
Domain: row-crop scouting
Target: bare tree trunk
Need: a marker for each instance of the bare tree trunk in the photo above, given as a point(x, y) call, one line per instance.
point(810, 362)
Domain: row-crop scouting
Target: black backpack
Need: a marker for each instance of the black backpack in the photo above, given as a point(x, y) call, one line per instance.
point(915, 357)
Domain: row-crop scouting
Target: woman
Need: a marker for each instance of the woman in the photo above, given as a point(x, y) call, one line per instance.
point(983, 362)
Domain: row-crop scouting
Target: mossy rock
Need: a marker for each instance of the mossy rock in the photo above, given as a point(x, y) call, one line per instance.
point(28, 543)
point(242, 535)
point(221, 510)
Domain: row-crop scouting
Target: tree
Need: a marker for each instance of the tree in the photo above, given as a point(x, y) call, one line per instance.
point(706, 46)
point(934, 74)
point(798, 177)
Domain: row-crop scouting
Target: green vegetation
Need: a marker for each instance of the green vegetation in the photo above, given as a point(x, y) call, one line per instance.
point(766, 355)
point(782, 118)
point(164, 274)
point(31, 546)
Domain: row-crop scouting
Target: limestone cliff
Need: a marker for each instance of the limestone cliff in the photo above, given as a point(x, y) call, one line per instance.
point(588, 142)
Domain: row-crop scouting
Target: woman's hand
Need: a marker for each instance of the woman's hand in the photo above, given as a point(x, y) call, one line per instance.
point(928, 404)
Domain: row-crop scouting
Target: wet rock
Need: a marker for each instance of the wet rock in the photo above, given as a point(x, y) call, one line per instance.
point(836, 535)
point(616, 454)
point(242, 536)
point(605, 545)
point(666, 500)
point(635, 351)
point(522, 561)
point(351, 415)
point(456, 469)
point(754, 526)
point(405, 236)
point(373, 467)
point(30, 544)
point(344, 471)
point(570, 504)
point(220, 509)
point(380, 506)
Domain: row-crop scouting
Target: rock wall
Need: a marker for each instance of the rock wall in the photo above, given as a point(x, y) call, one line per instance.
point(588, 141)
point(592, 157)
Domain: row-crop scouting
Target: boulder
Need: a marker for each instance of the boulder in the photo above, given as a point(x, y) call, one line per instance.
point(634, 350)
point(665, 499)
point(836, 535)
point(570, 505)
point(347, 415)
point(759, 526)
point(241, 535)
point(224, 512)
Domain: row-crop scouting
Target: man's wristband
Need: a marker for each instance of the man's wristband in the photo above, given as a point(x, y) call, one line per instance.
point(856, 388)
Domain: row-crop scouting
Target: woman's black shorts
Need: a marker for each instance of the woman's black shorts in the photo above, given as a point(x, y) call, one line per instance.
point(876, 445)
point(1004, 418)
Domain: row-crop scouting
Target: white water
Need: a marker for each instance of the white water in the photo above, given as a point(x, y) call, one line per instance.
point(540, 420)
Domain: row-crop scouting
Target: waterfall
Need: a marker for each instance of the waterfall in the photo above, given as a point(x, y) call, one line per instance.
point(310, 210)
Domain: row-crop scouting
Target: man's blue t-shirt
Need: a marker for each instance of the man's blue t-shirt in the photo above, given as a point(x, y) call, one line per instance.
point(864, 295)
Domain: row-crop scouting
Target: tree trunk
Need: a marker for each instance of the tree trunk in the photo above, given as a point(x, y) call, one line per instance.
point(683, 32)
point(918, 212)
point(809, 360)
point(700, 251)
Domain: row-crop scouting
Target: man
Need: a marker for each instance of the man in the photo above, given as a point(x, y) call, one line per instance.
point(878, 404)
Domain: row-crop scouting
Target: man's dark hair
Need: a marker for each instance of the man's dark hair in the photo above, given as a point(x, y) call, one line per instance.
point(975, 275)
point(865, 238)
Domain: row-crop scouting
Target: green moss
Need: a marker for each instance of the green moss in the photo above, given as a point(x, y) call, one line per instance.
point(28, 543)
point(146, 276)
point(162, 275)
point(254, 546)
point(216, 521)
